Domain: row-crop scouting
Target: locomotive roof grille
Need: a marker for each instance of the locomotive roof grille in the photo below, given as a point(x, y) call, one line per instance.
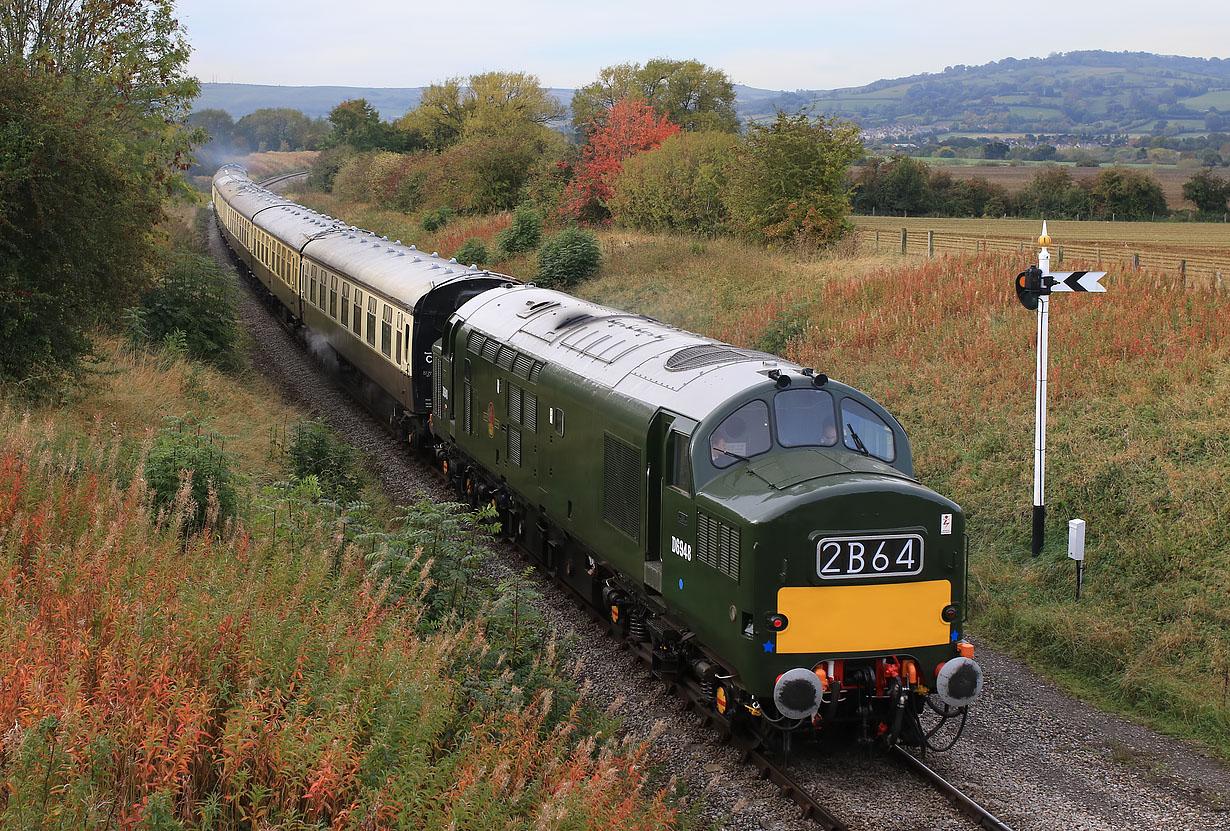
point(709, 354)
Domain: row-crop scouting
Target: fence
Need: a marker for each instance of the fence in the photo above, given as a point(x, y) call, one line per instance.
point(1105, 257)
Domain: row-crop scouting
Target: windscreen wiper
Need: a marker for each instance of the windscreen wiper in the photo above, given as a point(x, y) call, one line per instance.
point(858, 443)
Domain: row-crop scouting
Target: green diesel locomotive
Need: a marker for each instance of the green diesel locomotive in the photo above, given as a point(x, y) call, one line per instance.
point(756, 522)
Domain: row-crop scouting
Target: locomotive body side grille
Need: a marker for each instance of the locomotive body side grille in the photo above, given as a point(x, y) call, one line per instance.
point(717, 545)
point(514, 446)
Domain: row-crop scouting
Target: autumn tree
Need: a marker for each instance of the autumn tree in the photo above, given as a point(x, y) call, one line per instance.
point(627, 128)
point(93, 137)
point(688, 93)
point(787, 182)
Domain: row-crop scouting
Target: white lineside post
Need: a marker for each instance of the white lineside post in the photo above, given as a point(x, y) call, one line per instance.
point(1039, 529)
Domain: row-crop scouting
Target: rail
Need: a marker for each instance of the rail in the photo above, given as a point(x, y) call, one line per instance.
point(955, 796)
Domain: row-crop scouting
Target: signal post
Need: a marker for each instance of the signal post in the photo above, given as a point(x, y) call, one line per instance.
point(1033, 288)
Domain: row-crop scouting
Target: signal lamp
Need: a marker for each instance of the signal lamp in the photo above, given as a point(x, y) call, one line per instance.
point(949, 614)
point(778, 622)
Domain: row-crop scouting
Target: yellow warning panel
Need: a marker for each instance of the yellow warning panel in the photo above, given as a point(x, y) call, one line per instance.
point(888, 616)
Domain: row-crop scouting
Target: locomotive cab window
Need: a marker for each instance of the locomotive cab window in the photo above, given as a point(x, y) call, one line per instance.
point(865, 432)
point(741, 435)
point(805, 418)
point(678, 462)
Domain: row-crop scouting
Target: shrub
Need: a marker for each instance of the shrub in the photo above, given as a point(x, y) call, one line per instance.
point(436, 219)
point(525, 233)
point(567, 258)
point(189, 474)
point(313, 450)
point(195, 297)
point(787, 183)
point(473, 252)
point(327, 166)
point(678, 187)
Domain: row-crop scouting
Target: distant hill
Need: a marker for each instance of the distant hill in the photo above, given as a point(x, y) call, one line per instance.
point(1076, 92)
point(1092, 92)
point(315, 102)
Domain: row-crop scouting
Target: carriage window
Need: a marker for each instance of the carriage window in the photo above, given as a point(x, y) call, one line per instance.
point(333, 297)
point(386, 331)
point(865, 431)
point(356, 322)
point(371, 321)
point(345, 305)
point(312, 286)
point(741, 435)
point(805, 418)
point(678, 463)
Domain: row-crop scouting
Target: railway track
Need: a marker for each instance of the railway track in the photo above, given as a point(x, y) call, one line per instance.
point(751, 749)
point(283, 177)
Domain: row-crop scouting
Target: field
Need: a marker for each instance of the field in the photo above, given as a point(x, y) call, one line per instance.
point(1015, 177)
point(1198, 250)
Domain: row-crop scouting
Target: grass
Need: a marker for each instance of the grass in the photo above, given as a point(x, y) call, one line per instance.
point(308, 666)
point(1138, 419)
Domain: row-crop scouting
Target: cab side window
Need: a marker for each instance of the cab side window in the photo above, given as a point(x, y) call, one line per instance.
point(678, 462)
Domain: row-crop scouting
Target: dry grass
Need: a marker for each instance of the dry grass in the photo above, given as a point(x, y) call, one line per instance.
point(134, 391)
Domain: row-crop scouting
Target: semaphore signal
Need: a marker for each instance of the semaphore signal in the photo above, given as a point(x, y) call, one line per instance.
point(1033, 288)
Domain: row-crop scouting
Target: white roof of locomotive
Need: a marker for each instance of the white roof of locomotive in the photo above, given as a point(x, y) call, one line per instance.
point(635, 356)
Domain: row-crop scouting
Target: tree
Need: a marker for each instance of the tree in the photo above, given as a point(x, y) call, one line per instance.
point(628, 127)
point(787, 183)
point(280, 129)
point(490, 105)
point(897, 185)
point(217, 124)
point(93, 138)
point(1207, 191)
point(500, 104)
point(689, 93)
point(440, 117)
point(357, 124)
point(1128, 194)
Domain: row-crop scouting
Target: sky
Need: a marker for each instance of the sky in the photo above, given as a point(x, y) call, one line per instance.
point(771, 44)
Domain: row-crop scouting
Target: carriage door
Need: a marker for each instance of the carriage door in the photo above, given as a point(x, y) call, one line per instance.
point(672, 515)
point(402, 359)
